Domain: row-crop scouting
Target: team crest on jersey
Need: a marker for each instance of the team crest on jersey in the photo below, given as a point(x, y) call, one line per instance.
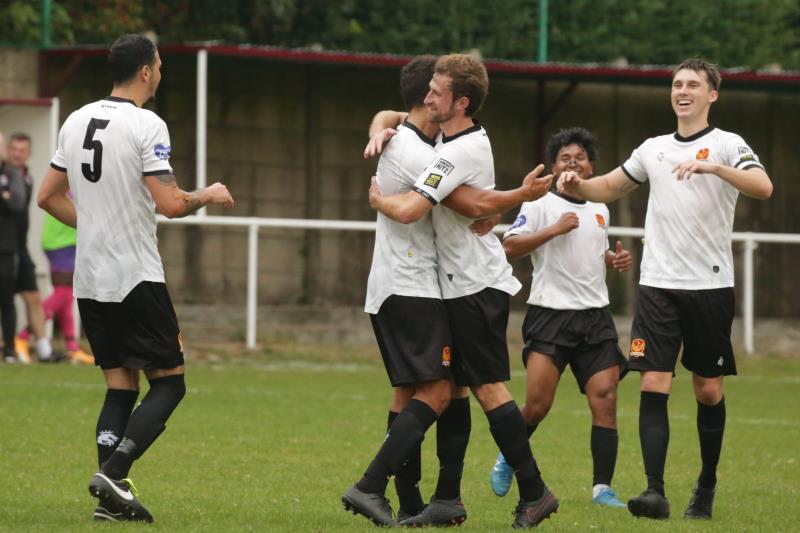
point(600, 220)
point(637, 348)
point(433, 180)
point(702, 154)
point(446, 356)
point(161, 151)
point(443, 165)
point(519, 222)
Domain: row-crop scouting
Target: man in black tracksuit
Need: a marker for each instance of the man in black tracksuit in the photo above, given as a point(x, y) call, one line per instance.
point(12, 203)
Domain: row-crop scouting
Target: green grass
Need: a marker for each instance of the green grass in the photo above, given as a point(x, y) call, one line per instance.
point(271, 446)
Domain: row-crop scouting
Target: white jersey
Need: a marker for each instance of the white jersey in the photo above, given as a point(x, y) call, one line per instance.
point(569, 271)
point(404, 257)
point(467, 263)
point(106, 148)
point(687, 231)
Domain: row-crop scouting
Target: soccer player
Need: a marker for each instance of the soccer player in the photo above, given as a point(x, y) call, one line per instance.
point(686, 292)
point(474, 276)
point(114, 157)
point(19, 151)
point(406, 310)
point(568, 321)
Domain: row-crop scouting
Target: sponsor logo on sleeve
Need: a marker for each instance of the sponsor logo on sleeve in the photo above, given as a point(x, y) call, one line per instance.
point(600, 220)
point(162, 152)
point(519, 222)
point(748, 157)
point(446, 356)
point(744, 150)
point(433, 180)
point(702, 154)
point(444, 166)
point(637, 348)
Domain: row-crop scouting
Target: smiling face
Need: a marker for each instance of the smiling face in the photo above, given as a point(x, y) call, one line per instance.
point(439, 100)
point(692, 94)
point(572, 157)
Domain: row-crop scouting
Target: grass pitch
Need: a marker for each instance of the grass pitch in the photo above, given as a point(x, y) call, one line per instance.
point(270, 445)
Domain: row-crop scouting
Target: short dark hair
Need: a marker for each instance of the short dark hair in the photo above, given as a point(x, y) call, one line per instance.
point(19, 136)
point(469, 79)
point(128, 54)
point(698, 64)
point(580, 136)
point(415, 78)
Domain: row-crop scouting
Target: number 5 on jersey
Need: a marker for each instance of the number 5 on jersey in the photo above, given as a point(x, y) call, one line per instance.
point(94, 171)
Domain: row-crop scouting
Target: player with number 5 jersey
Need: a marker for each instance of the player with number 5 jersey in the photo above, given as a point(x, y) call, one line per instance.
point(114, 157)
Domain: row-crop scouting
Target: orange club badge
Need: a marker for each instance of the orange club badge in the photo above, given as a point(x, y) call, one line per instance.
point(446, 356)
point(601, 221)
point(702, 154)
point(637, 348)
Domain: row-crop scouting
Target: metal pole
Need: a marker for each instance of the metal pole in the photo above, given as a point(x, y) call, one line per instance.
point(202, 93)
point(46, 29)
point(252, 284)
point(749, 300)
point(542, 31)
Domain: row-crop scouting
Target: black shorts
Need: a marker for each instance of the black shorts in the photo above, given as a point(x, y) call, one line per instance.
point(413, 335)
point(26, 273)
point(585, 339)
point(140, 332)
point(699, 319)
point(478, 323)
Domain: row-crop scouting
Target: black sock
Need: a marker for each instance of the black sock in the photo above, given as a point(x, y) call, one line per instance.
point(710, 427)
point(113, 420)
point(406, 481)
point(654, 436)
point(452, 436)
point(531, 428)
point(604, 454)
point(146, 423)
point(508, 429)
point(407, 431)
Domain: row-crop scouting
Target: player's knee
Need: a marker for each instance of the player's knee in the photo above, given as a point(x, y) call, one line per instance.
point(708, 391)
point(533, 413)
point(170, 389)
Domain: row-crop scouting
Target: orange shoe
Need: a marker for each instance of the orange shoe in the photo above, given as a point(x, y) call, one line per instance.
point(23, 349)
point(79, 357)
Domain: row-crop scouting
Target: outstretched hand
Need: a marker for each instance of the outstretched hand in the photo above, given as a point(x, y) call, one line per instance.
point(377, 141)
point(219, 194)
point(568, 182)
point(623, 260)
point(535, 186)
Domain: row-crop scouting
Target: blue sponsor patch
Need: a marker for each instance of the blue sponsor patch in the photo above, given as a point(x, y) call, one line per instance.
point(519, 222)
point(161, 151)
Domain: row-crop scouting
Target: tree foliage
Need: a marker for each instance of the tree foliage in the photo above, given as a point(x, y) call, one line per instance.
point(750, 33)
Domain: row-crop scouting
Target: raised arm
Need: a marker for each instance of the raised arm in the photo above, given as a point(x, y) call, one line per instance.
point(173, 202)
point(602, 189)
point(382, 128)
point(53, 197)
point(482, 203)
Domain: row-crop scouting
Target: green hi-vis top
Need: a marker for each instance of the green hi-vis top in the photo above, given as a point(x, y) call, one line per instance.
point(56, 235)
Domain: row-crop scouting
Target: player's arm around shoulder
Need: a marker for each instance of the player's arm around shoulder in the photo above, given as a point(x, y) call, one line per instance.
point(173, 202)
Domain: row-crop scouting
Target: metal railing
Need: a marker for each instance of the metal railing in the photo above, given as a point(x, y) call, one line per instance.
point(749, 239)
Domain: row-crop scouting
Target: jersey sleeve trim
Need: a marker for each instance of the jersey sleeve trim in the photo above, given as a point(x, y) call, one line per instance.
point(630, 176)
point(157, 172)
point(60, 169)
point(430, 198)
point(750, 165)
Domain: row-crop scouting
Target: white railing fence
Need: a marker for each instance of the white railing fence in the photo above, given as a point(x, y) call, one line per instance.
point(749, 239)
